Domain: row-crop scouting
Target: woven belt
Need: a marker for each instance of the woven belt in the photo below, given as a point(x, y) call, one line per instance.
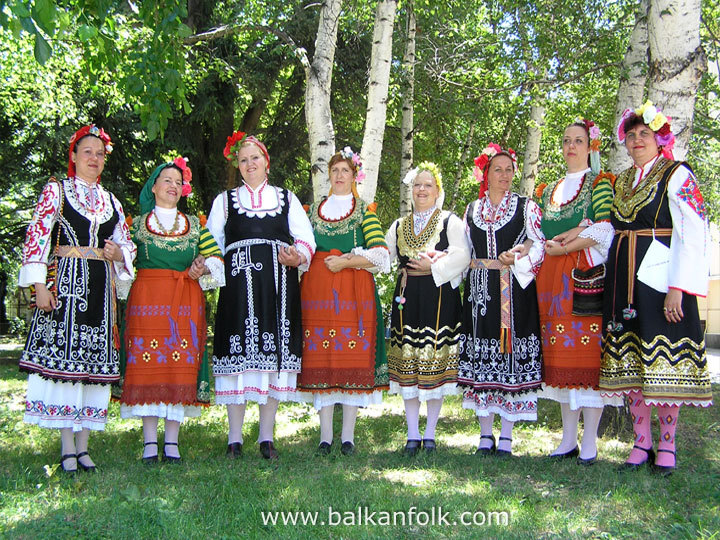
point(80, 252)
point(505, 288)
point(632, 246)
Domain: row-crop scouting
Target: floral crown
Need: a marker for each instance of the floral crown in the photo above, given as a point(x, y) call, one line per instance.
point(424, 166)
point(182, 164)
point(483, 160)
point(235, 142)
point(655, 120)
point(593, 133)
point(354, 157)
point(92, 129)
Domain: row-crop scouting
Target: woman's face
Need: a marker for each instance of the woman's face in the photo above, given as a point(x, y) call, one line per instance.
point(168, 188)
point(641, 144)
point(500, 174)
point(252, 165)
point(89, 158)
point(341, 177)
point(424, 191)
point(576, 148)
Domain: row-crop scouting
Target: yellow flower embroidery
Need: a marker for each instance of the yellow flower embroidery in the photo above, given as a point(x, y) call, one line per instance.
point(553, 339)
point(307, 333)
point(154, 344)
point(146, 356)
point(332, 332)
point(184, 344)
point(585, 340)
point(176, 356)
point(560, 328)
point(594, 327)
point(352, 344)
point(326, 344)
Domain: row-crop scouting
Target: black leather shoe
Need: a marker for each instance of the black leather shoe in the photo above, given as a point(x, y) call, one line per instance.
point(566, 455)
point(635, 466)
point(267, 450)
point(429, 445)
point(86, 468)
point(324, 449)
point(150, 459)
point(171, 459)
point(663, 470)
point(587, 462)
point(412, 447)
point(503, 453)
point(234, 450)
point(347, 448)
point(489, 450)
point(68, 472)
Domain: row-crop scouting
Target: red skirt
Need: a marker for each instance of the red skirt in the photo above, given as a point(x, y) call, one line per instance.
point(339, 318)
point(571, 344)
point(165, 335)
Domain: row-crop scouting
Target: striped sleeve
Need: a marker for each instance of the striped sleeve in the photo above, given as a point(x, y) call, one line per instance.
point(207, 245)
point(602, 198)
point(372, 230)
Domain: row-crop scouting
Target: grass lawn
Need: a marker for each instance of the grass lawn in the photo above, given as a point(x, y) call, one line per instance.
point(209, 496)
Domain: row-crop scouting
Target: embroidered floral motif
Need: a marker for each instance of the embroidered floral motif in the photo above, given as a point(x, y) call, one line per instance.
point(325, 343)
point(628, 201)
point(146, 356)
point(176, 356)
point(585, 340)
point(184, 344)
point(594, 328)
point(154, 344)
point(352, 344)
point(553, 339)
point(332, 332)
point(38, 407)
point(690, 193)
point(307, 333)
point(560, 328)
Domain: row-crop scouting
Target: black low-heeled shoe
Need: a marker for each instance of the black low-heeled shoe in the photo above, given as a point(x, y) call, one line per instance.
point(635, 466)
point(171, 459)
point(587, 462)
point(566, 455)
point(150, 459)
point(412, 447)
point(68, 472)
point(234, 450)
point(324, 448)
point(664, 470)
point(347, 448)
point(490, 449)
point(267, 450)
point(86, 468)
point(429, 445)
point(504, 453)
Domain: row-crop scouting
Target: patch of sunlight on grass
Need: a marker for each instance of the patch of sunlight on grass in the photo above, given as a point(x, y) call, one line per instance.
point(414, 477)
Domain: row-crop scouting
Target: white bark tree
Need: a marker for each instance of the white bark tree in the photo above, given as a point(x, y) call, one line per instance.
point(380, 61)
point(633, 75)
point(677, 62)
point(408, 111)
point(532, 143)
point(318, 76)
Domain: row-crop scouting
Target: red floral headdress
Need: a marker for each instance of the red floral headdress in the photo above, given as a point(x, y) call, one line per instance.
point(653, 118)
point(482, 164)
point(93, 130)
point(235, 142)
point(182, 164)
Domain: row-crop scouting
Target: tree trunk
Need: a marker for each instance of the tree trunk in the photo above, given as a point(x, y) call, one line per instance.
point(462, 166)
point(532, 144)
point(633, 74)
point(408, 111)
point(318, 75)
point(677, 62)
point(380, 60)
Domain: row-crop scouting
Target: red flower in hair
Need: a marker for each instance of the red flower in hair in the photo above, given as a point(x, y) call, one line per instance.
point(664, 130)
point(233, 140)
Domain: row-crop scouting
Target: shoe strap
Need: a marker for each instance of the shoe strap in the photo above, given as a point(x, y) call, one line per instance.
point(506, 439)
point(659, 450)
point(149, 443)
point(81, 454)
point(171, 444)
point(67, 456)
point(487, 437)
point(646, 450)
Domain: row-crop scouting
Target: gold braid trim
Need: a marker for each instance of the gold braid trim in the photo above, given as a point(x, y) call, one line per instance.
point(628, 201)
point(411, 245)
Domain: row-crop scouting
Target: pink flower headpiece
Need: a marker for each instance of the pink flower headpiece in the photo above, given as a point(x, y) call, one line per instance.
point(653, 118)
point(482, 164)
point(93, 130)
point(354, 157)
point(235, 142)
point(182, 164)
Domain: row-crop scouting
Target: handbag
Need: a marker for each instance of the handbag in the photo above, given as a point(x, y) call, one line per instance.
point(52, 267)
point(588, 286)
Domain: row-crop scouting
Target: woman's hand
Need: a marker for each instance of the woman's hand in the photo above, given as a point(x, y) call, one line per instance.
point(197, 268)
point(112, 251)
point(435, 255)
point(423, 263)
point(672, 308)
point(289, 256)
point(568, 236)
point(336, 263)
point(507, 258)
point(555, 248)
point(521, 249)
point(44, 299)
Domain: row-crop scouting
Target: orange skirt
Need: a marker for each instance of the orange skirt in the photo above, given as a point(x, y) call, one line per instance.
point(339, 318)
point(571, 344)
point(165, 336)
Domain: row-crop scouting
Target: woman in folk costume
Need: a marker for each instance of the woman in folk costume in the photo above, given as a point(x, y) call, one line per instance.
point(576, 220)
point(167, 374)
point(653, 345)
point(344, 347)
point(265, 236)
point(500, 352)
point(78, 233)
point(425, 321)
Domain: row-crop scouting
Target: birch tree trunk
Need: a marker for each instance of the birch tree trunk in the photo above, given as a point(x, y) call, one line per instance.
point(318, 76)
point(633, 75)
point(677, 62)
point(532, 144)
point(408, 112)
point(380, 60)
point(461, 167)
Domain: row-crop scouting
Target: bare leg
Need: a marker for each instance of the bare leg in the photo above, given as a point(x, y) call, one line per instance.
point(591, 421)
point(267, 419)
point(570, 421)
point(236, 417)
point(326, 423)
point(348, 425)
point(172, 431)
point(412, 416)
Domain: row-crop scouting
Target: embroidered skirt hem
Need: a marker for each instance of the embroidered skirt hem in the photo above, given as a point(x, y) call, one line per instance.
point(353, 399)
point(422, 394)
point(578, 398)
point(255, 386)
